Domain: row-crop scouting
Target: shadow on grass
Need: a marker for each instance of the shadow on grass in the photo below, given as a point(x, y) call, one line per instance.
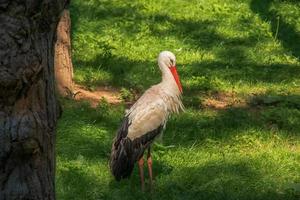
point(222, 180)
point(198, 34)
point(131, 187)
point(90, 131)
point(265, 113)
point(211, 180)
point(232, 63)
point(140, 75)
point(99, 11)
point(218, 179)
point(127, 73)
point(85, 131)
point(76, 183)
point(281, 30)
point(85, 135)
point(249, 73)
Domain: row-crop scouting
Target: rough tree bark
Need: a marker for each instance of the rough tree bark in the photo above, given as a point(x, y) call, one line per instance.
point(28, 106)
point(63, 62)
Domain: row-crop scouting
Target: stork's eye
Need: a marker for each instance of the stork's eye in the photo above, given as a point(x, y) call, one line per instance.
point(172, 61)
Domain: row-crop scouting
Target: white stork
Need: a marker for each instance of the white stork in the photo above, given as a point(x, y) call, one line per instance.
point(145, 120)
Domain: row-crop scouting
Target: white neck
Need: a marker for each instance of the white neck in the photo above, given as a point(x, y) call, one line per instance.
point(168, 82)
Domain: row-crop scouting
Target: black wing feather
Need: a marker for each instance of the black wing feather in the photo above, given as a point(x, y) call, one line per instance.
point(125, 152)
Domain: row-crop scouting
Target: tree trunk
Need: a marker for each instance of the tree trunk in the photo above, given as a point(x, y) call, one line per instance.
point(28, 106)
point(63, 62)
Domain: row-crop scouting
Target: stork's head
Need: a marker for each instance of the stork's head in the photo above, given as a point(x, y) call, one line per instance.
point(167, 58)
point(167, 64)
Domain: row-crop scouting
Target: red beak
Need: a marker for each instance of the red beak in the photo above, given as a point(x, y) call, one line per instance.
point(176, 77)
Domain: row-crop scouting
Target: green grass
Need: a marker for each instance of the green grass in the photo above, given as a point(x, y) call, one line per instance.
point(242, 47)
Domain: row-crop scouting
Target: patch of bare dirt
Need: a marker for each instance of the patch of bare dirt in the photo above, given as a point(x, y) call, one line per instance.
point(111, 95)
point(222, 100)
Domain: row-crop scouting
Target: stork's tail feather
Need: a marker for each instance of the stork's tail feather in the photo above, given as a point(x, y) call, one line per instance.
point(121, 160)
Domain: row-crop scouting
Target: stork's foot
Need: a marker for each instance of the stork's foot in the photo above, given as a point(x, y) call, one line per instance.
point(141, 170)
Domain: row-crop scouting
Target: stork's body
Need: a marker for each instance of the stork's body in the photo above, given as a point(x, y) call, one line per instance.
point(145, 120)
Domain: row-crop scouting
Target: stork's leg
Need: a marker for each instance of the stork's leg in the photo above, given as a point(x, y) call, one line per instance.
point(149, 161)
point(141, 169)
